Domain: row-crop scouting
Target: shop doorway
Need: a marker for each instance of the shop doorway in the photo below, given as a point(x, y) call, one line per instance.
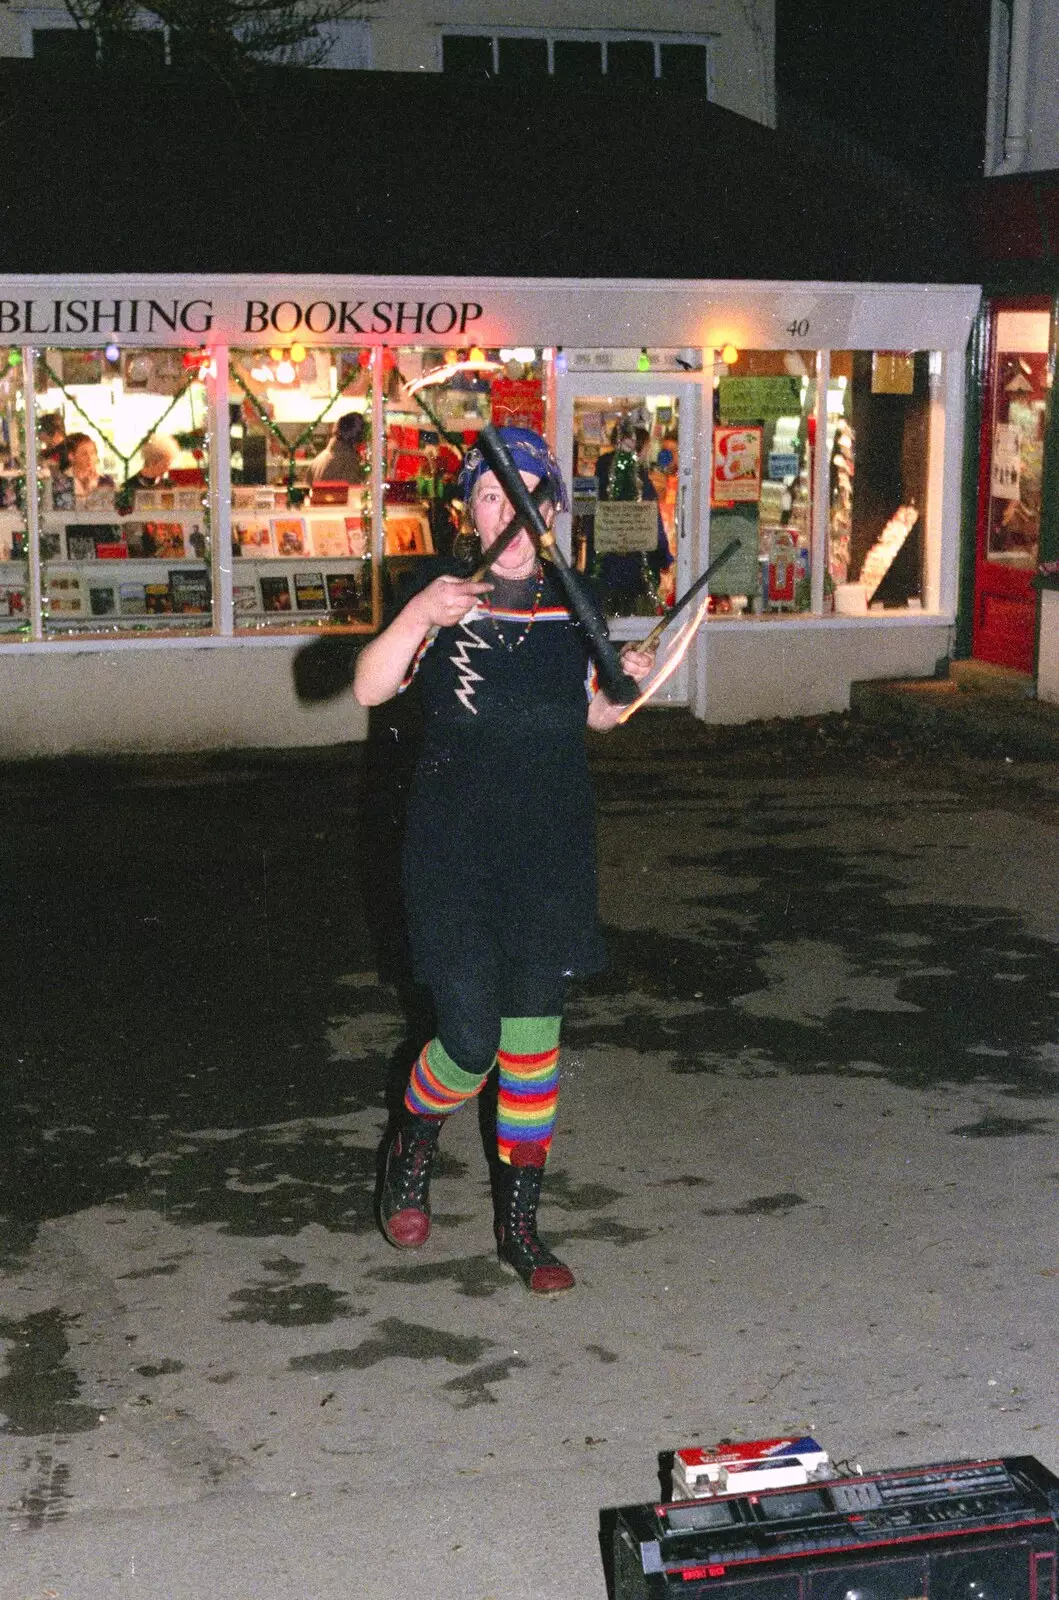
point(637, 559)
point(1014, 418)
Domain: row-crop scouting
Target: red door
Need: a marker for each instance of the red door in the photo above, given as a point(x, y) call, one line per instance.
point(1014, 416)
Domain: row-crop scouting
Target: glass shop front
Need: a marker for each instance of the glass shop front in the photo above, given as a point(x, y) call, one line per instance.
point(267, 467)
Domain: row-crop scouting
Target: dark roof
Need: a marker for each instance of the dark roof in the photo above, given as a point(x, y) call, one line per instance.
point(374, 172)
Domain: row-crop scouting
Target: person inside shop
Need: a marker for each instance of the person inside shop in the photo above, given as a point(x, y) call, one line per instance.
point(52, 447)
point(159, 454)
point(341, 460)
point(622, 474)
point(82, 465)
point(499, 870)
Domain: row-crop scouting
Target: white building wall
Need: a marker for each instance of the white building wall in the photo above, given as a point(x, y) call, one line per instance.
point(70, 700)
point(806, 667)
point(77, 701)
point(405, 35)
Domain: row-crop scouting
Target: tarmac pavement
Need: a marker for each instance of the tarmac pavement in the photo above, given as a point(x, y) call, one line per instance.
point(806, 1168)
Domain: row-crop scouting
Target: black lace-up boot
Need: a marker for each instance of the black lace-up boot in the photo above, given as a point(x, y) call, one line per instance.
point(404, 1205)
point(516, 1224)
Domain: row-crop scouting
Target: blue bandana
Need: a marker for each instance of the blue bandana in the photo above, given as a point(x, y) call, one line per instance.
point(530, 454)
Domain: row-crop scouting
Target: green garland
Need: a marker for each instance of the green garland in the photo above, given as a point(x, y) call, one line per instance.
point(289, 449)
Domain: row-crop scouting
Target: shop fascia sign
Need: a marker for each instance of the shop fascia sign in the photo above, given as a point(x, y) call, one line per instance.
point(86, 311)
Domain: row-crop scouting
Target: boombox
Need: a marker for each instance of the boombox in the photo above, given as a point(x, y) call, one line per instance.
point(961, 1530)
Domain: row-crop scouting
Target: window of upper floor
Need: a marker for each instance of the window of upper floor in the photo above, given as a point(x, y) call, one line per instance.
point(579, 55)
point(48, 37)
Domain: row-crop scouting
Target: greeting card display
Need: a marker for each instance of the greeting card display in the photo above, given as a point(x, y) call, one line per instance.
point(330, 537)
point(253, 538)
point(357, 535)
point(166, 539)
point(12, 599)
point(81, 541)
point(289, 535)
point(66, 595)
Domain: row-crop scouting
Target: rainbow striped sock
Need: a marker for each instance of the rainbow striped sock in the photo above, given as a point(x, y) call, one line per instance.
point(528, 1094)
point(437, 1086)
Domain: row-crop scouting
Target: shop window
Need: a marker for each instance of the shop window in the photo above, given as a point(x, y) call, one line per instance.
point(685, 66)
point(878, 438)
point(467, 55)
point(1021, 388)
point(14, 584)
point(630, 60)
point(523, 58)
point(437, 400)
point(124, 533)
point(761, 477)
point(625, 492)
point(300, 424)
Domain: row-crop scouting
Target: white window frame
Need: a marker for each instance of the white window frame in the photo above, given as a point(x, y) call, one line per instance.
point(600, 36)
point(351, 31)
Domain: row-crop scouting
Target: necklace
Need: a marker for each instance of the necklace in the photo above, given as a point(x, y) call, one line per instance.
point(511, 645)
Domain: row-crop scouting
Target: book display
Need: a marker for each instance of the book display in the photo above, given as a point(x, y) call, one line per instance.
point(99, 568)
point(14, 572)
point(309, 566)
point(301, 497)
point(122, 504)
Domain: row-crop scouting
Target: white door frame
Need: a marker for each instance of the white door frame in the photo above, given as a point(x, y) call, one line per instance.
point(691, 521)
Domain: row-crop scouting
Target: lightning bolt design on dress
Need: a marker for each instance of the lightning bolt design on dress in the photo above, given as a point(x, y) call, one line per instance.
point(466, 673)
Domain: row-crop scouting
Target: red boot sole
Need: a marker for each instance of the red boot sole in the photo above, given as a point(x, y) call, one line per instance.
point(407, 1230)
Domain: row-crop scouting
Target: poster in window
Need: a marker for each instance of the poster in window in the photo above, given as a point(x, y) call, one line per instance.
point(1006, 462)
point(736, 465)
point(893, 372)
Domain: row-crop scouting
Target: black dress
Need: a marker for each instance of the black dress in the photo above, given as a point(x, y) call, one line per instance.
point(500, 851)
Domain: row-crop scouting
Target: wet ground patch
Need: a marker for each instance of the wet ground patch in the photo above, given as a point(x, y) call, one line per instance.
point(763, 1205)
point(395, 1339)
point(938, 994)
point(477, 1277)
point(475, 1388)
point(39, 1391)
point(1003, 1127)
point(290, 1305)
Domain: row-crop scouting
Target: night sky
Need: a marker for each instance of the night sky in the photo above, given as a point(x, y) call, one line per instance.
point(907, 77)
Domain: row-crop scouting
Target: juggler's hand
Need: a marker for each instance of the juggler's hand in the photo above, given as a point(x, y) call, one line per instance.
point(447, 600)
